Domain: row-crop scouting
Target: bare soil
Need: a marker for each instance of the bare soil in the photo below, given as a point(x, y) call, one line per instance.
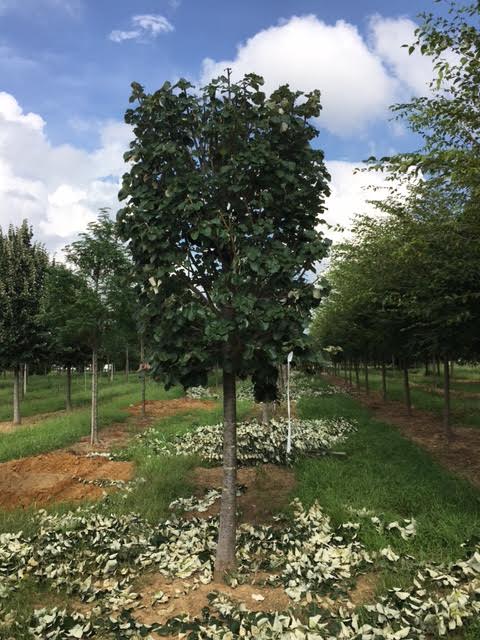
point(267, 490)
point(461, 456)
point(186, 597)
point(56, 477)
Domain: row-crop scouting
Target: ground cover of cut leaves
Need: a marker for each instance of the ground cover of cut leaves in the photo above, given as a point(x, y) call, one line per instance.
point(99, 563)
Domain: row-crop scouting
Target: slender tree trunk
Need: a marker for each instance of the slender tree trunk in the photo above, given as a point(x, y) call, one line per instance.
point(446, 399)
point(127, 363)
point(345, 372)
point(143, 374)
point(437, 362)
point(69, 389)
point(225, 558)
point(111, 371)
point(367, 386)
point(265, 412)
point(25, 379)
point(406, 386)
point(357, 376)
point(94, 420)
point(384, 382)
point(17, 419)
point(427, 368)
point(350, 373)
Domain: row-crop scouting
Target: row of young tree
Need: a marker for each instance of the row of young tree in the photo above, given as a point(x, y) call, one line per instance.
point(70, 316)
point(407, 284)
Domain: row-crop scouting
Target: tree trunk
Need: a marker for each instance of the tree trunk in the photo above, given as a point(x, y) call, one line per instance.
point(367, 386)
point(25, 378)
point(406, 386)
point(69, 389)
point(357, 376)
point(94, 420)
point(384, 382)
point(345, 372)
point(111, 372)
point(265, 413)
point(16, 395)
point(437, 361)
point(350, 373)
point(225, 557)
point(143, 374)
point(427, 368)
point(446, 399)
point(127, 363)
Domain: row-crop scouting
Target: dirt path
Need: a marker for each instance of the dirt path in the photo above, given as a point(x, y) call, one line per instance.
point(462, 456)
point(69, 475)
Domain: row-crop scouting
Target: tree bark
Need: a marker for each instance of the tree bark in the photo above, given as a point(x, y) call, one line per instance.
point(427, 368)
point(357, 376)
point(406, 386)
point(446, 400)
point(127, 363)
point(384, 382)
point(225, 557)
point(94, 419)
point(367, 386)
point(25, 378)
point(69, 389)
point(17, 419)
point(265, 413)
point(142, 361)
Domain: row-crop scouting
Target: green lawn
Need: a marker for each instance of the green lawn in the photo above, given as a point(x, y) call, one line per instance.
point(465, 411)
point(62, 430)
point(382, 471)
point(46, 394)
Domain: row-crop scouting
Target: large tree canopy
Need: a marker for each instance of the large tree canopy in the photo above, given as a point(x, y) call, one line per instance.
point(223, 201)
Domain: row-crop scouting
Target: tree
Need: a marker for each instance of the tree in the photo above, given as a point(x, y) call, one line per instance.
point(23, 265)
point(65, 297)
point(223, 196)
point(100, 258)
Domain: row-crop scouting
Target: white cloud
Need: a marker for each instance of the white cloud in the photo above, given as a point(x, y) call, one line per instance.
point(388, 35)
point(310, 54)
point(359, 77)
point(350, 194)
point(59, 188)
point(145, 27)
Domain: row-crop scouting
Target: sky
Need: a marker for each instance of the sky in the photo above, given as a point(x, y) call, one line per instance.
point(66, 68)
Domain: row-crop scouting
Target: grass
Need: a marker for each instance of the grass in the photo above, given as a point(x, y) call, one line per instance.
point(166, 478)
point(46, 394)
point(465, 411)
point(390, 475)
point(382, 471)
point(57, 432)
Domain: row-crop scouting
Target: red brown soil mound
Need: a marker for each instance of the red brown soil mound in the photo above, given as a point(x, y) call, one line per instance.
point(53, 477)
point(268, 489)
point(164, 408)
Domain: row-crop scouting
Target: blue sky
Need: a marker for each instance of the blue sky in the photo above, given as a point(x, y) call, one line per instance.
point(66, 67)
